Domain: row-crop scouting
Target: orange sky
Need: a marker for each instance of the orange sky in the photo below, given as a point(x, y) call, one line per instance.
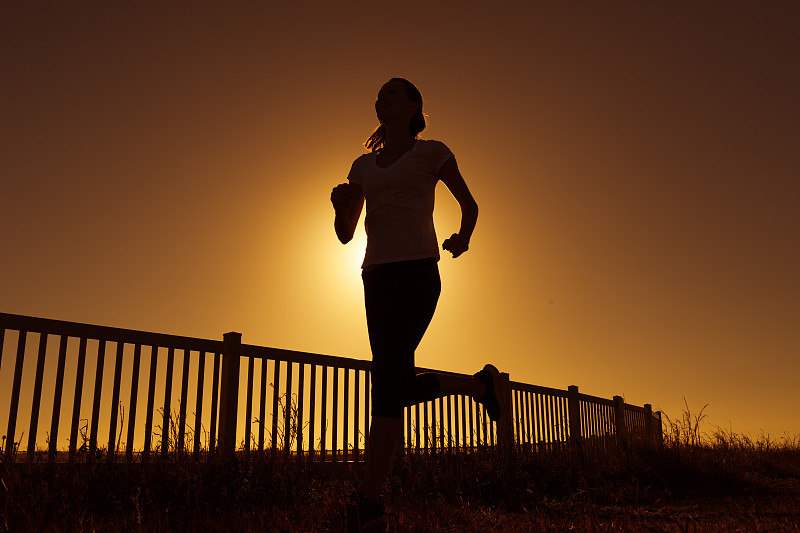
point(636, 167)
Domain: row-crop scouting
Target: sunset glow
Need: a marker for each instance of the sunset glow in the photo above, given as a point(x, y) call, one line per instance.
point(169, 169)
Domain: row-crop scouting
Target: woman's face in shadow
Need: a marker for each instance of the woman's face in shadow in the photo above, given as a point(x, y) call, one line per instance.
point(393, 103)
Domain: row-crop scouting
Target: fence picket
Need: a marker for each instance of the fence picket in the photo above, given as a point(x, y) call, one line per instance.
point(312, 405)
point(151, 396)
point(426, 427)
point(198, 406)
point(76, 404)
point(346, 417)
point(463, 418)
point(262, 416)
point(335, 414)
point(137, 354)
point(212, 437)
point(441, 401)
point(98, 389)
point(276, 375)
point(366, 406)
point(299, 423)
point(15, 391)
point(37, 397)
point(112, 427)
point(516, 414)
point(182, 413)
point(450, 430)
point(323, 429)
point(469, 424)
point(407, 436)
point(248, 412)
point(417, 427)
point(62, 359)
point(287, 417)
point(166, 419)
point(528, 425)
point(355, 414)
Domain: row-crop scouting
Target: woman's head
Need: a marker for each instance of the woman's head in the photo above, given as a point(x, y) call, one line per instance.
point(398, 100)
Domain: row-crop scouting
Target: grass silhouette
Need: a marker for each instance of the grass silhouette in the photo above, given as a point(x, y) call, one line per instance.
point(695, 482)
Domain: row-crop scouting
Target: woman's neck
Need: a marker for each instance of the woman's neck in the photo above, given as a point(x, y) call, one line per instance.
point(398, 137)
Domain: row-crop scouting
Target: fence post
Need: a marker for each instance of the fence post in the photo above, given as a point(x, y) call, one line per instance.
point(660, 429)
point(505, 425)
point(619, 422)
point(648, 424)
point(574, 414)
point(229, 394)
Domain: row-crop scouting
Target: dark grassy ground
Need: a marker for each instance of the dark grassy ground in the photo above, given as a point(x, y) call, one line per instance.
point(726, 483)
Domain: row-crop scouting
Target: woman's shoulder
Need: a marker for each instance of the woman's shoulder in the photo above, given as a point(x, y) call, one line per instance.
point(359, 168)
point(363, 159)
point(434, 148)
point(436, 152)
point(432, 144)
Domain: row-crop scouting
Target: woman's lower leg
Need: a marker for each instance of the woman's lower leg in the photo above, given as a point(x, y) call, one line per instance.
point(385, 432)
point(383, 435)
point(468, 385)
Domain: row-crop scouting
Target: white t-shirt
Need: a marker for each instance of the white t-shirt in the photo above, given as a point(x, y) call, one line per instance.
point(399, 198)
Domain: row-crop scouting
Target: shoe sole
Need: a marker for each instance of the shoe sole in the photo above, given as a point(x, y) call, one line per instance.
point(492, 370)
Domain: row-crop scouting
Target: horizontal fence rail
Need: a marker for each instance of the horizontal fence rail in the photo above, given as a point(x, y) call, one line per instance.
point(138, 396)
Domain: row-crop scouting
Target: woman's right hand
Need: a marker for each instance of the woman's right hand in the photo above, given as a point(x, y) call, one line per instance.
point(341, 196)
point(347, 200)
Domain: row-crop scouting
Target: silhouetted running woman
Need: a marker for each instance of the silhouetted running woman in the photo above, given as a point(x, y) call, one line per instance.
point(401, 276)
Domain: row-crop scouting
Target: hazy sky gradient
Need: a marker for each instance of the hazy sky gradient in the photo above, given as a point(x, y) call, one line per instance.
point(168, 168)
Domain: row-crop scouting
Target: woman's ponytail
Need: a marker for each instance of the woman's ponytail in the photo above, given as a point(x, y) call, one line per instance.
point(376, 140)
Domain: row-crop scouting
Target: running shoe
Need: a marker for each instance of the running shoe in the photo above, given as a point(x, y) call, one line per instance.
point(491, 399)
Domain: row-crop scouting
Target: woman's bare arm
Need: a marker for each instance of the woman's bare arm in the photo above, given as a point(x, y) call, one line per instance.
point(458, 243)
point(347, 200)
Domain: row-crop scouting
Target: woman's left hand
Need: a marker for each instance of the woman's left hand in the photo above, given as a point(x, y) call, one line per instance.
point(456, 245)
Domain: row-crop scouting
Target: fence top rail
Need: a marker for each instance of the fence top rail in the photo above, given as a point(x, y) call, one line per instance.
point(595, 399)
point(636, 409)
point(279, 354)
point(89, 331)
point(538, 389)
